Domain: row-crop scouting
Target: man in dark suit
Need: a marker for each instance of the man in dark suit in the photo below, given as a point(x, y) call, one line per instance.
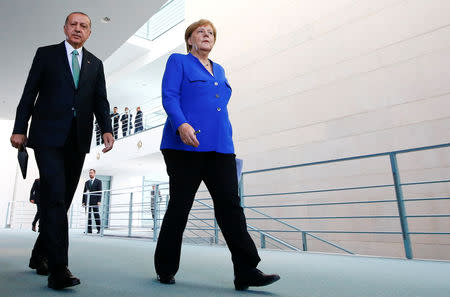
point(35, 199)
point(64, 89)
point(138, 120)
point(127, 120)
point(115, 116)
point(92, 185)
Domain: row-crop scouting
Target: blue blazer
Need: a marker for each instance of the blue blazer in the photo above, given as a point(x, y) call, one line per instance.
point(190, 94)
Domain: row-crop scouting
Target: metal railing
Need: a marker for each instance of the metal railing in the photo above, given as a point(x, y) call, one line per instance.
point(399, 201)
point(125, 124)
point(270, 222)
point(126, 213)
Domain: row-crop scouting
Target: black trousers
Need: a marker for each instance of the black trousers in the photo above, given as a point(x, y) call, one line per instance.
point(116, 129)
point(59, 170)
point(37, 215)
point(186, 171)
point(93, 209)
point(124, 130)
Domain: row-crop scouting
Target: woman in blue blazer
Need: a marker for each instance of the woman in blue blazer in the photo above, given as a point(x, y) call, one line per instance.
point(197, 146)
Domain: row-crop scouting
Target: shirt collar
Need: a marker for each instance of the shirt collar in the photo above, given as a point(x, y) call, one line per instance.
point(69, 48)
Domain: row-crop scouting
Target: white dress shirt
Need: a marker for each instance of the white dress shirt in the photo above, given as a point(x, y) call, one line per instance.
point(69, 50)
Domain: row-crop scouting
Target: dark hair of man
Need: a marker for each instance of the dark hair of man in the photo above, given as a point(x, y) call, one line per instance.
point(78, 12)
point(92, 170)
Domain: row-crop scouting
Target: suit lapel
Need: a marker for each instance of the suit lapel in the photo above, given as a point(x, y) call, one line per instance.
point(85, 67)
point(66, 66)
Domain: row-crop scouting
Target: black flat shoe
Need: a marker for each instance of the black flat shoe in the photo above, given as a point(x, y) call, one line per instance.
point(254, 278)
point(62, 279)
point(40, 264)
point(166, 279)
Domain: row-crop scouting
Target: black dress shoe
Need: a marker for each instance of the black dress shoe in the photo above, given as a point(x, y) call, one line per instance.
point(62, 279)
point(40, 264)
point(254, 278)
point(166, 279)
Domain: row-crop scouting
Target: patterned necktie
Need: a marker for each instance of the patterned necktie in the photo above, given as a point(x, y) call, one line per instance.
point(75, 68)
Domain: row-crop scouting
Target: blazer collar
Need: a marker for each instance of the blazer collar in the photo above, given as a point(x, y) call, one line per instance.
point(85, 67)
point(65, 63)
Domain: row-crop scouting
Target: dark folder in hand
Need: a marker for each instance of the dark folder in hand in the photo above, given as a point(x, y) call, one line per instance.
point(22, 156)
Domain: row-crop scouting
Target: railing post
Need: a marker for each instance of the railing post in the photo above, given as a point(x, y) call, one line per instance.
point(130, 215)
point(88, 201)
point(129, 123)
point(216, 232)
point(401, 206)
point(102, 218)
point(7, 216)
point(241, 190)
point(263, 241)
point(304, 243)
point(156, 212)
point(71, 216)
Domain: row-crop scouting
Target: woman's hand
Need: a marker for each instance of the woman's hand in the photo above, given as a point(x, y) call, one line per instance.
point(187, 134)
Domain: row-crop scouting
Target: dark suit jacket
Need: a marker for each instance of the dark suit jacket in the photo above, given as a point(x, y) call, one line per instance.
point(124, 119)
point(96, 186)
point(35, 193)
point(50, 79)
point(138, 120)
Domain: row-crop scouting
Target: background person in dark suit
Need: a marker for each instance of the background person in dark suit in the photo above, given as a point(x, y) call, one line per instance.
point(138, 120)
point(98, 133)
point(127, 120)
point(115, 122)
point(92, 185)
point(35, 199)
point(64, 89)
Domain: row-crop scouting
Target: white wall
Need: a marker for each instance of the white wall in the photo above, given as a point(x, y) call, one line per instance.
point(318, 80)
point(8, 174)
point(135, 155)
point(13, 186)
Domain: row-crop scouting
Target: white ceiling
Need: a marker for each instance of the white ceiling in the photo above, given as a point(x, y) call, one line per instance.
point(140, 86)
point(26, 25)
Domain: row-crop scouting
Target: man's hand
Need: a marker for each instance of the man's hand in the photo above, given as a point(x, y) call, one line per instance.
point(108, 139)
point(187, 135)
point(18, 140)
point(98, 203)
point(83, 204)
point(32, 201)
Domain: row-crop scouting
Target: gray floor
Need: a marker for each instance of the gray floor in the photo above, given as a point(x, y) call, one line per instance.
point(124, 267)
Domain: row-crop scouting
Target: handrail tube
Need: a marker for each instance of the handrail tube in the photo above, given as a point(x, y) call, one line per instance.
point(204, 222)
point(299, 230)
point(320, 191)
point(274, 238)
point(280, 241)
point(426, 182)
point(346, 203)
point(350, 158)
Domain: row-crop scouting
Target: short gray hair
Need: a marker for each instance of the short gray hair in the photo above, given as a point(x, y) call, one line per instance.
point(78, 12)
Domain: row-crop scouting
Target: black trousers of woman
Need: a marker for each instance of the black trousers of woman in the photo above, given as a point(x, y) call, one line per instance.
point(186, 171)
